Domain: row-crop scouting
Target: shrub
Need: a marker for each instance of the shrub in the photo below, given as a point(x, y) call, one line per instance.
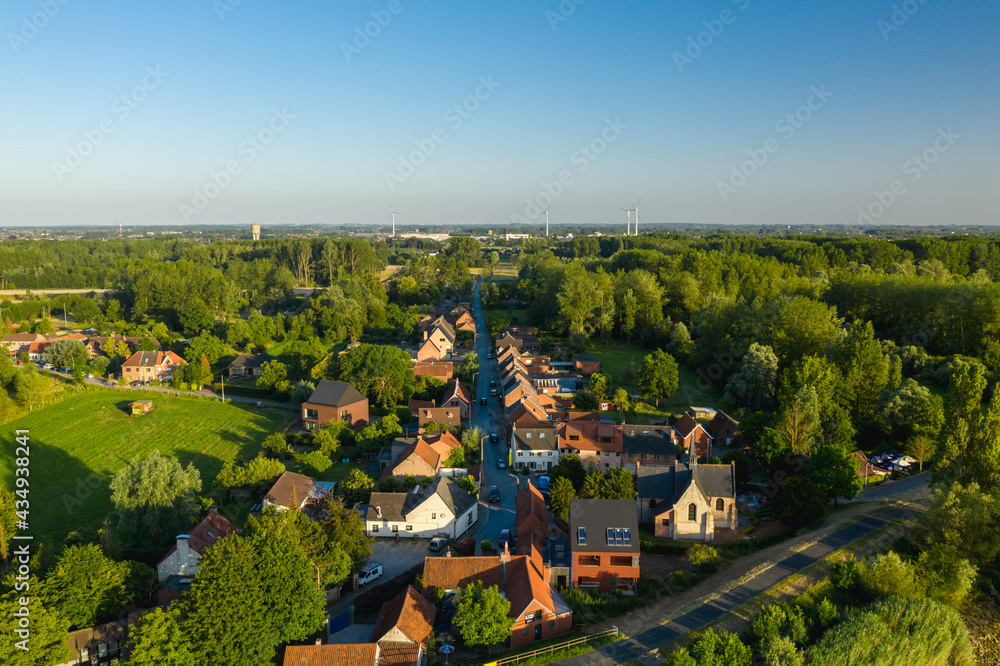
point(779, 621)
point(485, 546)
point(466, 547)
point(897, 631)
point(887, 575)
point(782, 652)
point(317, 460)
point(704, 558)
point(827, 614)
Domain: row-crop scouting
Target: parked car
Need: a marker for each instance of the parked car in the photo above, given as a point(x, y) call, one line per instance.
point(544, 482)
point(482, 401)
point(505, 540)
point(370, 573)
point(438, 544)
point(490, 356)
point(493, 392)
point(494, 494)
point(501, 463)
point(493, 383)
point(90, 375)
point(494, 438)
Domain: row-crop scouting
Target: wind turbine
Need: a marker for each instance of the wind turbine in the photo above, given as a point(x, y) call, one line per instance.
point(392, 214)
point(636, 209)
point(628, 221)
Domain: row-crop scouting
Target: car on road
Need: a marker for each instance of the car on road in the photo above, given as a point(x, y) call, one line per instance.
point(136, 383)
point(371, 572)
point(494, 438)
point(47, 366)
point(490, 356)
point(493, 392)
point(482, 401)
point(494, 494)
point(90, 375)
point(493, 383)
point(501, 463)
point(505, 540)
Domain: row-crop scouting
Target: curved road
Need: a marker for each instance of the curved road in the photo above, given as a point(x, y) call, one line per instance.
point(627, 649)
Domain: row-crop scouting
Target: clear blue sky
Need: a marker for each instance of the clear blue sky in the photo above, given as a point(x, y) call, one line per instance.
point(679, 127)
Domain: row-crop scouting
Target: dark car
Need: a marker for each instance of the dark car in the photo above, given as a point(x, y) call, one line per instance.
point(482, 401)
point(494, 494)
point(501, 463)
point(505, 540)
point(490, 356)
point(494, 438)
point(493, 383)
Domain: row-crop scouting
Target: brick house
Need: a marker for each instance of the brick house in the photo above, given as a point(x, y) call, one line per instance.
point(537, 612)
point(694, 437)
point(334, 401)
point(248, 365)
point(647, 445)
point(586, 364)
point(457, 396)
point(151, 366)
point(599, 445)
point(182, 559)
point(443, 370)
point(604, 544)
point(521, 339)
point(724, 429)
point(406, 618)
point(449, 416)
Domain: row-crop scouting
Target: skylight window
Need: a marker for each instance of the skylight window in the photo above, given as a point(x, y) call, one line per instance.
point(581, 536)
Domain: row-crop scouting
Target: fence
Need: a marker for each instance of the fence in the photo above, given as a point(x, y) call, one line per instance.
point(583, 640)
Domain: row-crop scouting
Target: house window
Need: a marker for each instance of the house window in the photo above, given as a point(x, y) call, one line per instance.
point(656, 456)
point(552, 624)
point(395, 528)
point(524, 632)
point(374, 528)
point(652, 503)
point(409, 528)
point(434, 516)
point(581, 536)
point(312, 414)
point(589, 561)
point(665, 522)
point(720, 505)
point(643, 456)
point(630, 456)
point(692, 512)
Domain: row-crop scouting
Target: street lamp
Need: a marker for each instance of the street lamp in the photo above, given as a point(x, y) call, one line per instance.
point(482, 460)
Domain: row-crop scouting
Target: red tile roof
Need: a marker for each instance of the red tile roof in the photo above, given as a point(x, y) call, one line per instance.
point(408, 612)
point(393, 653)
point(452, 573)
point(359, 654)
point(531, 513)
point(212, 528)
point(290, 483)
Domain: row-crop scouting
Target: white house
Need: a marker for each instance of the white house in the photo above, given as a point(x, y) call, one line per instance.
point(443, 509)
point(534, 448)
point(182, 560)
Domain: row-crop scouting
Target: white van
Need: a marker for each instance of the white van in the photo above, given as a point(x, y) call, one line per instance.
point(369, 573)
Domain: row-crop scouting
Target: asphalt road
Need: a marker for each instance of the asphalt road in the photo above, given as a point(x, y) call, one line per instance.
point(499, 516)
point(627, 649)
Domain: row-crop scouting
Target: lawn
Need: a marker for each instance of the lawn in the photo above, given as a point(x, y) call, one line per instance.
point(694, 390)
point(78, 444)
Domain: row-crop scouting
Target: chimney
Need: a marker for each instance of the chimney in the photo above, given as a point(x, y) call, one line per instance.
point(505, 555)
point(447, 553)
point(213, 510)
point(183, 552)
point(425, 335)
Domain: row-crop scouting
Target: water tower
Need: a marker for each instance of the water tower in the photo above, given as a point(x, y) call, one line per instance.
point(255, 231)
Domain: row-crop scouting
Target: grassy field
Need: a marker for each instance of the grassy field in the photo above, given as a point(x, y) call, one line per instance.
point(79, 443)
point(693, 389)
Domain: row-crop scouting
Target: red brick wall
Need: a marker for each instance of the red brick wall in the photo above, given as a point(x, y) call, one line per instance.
point(603, 570)
point(518, 638)
point(357, 413)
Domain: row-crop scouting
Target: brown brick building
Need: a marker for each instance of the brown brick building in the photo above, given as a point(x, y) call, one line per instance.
point(604, 543)
point(333, 401)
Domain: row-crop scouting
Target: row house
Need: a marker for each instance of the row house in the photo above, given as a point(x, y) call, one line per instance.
point(442, 509)
point(647, 445)
point(522, 339)
point(535, 448)
point(598, 444)
point(151, 366)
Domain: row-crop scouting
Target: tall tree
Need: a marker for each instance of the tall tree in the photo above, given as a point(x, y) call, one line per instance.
point(799, 421)
point(618, 483)
point(754, 385)
point(87, 587)
point(560, 495)
point(482, 617)
point(658, 376)
point(250, 595)
point(156, 497)
point(380, 372)
point(48, 633)
point(835, 471)
point(962, 415)
point(157, 640)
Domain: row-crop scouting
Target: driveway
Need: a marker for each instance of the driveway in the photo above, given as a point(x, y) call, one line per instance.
point(399, 556)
